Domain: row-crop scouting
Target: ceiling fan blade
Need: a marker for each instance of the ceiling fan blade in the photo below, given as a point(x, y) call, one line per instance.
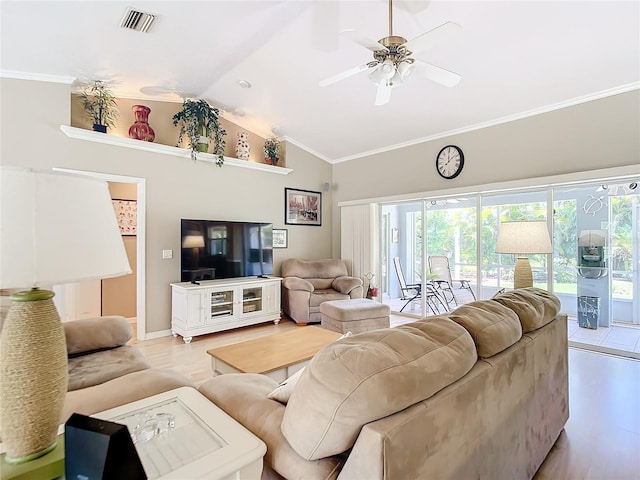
point(343, 75)
point(439, 75)
point(367, 43)
point(432, 37)
point(383, 95)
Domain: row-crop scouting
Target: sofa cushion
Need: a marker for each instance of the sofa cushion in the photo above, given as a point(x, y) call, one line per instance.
point(320, 284)
point(369, 376)
point(91, 334)
point(492, 326)
point(282, 393)
point(244, 397)
point(321, 296)
point(99, 367)
point(535, 307)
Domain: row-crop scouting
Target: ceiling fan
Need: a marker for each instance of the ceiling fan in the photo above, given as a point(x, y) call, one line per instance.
point(392, 62)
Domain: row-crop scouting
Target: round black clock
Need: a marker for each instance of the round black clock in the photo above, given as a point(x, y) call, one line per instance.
point(449, 162)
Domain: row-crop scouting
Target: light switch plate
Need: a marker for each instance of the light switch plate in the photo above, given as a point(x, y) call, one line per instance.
point(167, 254)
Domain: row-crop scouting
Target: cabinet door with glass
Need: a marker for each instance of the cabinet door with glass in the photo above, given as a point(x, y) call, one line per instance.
point(252, 300)
point(220, 305)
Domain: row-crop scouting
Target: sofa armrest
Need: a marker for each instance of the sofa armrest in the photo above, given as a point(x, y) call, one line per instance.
point(243, 396)
point(122, 390)
point(345, 284)
point(297, 283)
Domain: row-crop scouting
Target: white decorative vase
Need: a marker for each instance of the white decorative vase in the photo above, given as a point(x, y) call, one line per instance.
point(242, 146)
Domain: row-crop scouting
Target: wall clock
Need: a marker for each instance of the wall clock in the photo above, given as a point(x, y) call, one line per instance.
point(449, 162)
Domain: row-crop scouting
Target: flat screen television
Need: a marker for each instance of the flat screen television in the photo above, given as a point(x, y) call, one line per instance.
point(212, 249)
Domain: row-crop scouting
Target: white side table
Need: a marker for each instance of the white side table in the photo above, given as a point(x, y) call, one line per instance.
point(205, 442)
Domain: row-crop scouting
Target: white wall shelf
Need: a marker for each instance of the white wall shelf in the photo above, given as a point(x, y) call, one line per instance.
point(91, 136)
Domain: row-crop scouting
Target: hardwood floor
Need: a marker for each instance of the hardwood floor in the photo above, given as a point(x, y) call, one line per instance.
point(601, 440)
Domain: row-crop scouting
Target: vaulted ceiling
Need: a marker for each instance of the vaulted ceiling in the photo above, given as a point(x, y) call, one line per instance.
point(516, 58)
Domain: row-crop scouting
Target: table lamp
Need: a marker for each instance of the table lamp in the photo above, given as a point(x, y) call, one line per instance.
point(194, 240)
point(523, 238)
point(55, 228)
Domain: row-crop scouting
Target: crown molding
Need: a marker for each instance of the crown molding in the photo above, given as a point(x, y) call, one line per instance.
point(310, 150)
point(37, 77)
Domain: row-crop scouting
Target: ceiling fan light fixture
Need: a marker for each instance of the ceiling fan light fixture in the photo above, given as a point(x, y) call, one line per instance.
point(378, 75)
point(387, 68)
point(405, 69)
point(396, 80)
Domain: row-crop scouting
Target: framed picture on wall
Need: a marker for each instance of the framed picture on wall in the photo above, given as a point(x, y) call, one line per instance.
point(280, 238)
point(302, 207)
point(127, 215)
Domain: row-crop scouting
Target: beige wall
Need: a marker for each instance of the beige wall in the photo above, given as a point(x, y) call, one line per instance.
point(589, 136)
point(119, 294)
point(31, 115)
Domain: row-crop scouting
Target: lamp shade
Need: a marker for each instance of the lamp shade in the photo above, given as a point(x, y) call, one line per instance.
point(524, 238)
point(193, 240)
point(57, 228)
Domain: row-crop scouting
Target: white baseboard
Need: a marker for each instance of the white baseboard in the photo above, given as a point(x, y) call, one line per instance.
point(158, 334)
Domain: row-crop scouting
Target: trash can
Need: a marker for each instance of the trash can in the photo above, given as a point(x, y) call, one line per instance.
point(588, 312)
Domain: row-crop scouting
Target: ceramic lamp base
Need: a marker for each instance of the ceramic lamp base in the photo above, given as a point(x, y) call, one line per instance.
point(33, 376)
point(522, 276)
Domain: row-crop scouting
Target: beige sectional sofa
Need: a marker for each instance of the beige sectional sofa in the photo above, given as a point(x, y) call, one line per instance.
point(481, 392)
point(105, 372)
point(308, 283)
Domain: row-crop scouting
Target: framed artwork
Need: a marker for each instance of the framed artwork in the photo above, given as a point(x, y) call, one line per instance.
point(127, 215)
point(280, 238)
point(302, 207)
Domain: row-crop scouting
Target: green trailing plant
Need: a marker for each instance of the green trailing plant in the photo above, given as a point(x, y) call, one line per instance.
point(200, 122)
point(272, 148)
point(100, 105)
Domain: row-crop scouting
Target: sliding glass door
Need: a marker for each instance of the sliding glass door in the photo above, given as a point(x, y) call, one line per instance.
point(464, 229)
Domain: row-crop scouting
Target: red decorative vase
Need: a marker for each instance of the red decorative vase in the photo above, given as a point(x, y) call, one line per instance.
point(141, 130)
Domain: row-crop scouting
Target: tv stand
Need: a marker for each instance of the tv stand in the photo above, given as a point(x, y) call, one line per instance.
point(216, 305)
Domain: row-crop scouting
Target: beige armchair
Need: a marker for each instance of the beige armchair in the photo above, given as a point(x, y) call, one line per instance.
point(308, 283)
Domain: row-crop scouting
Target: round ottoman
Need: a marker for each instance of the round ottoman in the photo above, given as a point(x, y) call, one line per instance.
point(354, 315)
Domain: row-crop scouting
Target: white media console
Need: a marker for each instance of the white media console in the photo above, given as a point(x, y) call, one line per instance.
point(217, 305)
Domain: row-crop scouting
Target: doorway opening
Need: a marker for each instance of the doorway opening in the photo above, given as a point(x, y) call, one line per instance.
point(140, 251)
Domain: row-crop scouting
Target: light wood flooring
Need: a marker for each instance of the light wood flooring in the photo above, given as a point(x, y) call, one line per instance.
point(601, 440)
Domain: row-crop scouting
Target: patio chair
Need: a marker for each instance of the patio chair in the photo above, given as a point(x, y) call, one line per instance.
point(413, 291)
point(439, 265)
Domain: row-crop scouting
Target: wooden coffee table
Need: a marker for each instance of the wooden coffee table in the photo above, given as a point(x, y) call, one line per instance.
point(278, 356)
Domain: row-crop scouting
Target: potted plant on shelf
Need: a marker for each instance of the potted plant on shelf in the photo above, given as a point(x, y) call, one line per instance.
point(272, 150)
point(100, 105)
point(200, 122)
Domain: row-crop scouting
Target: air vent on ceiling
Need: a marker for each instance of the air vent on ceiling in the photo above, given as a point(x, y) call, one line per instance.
point(137, 20)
